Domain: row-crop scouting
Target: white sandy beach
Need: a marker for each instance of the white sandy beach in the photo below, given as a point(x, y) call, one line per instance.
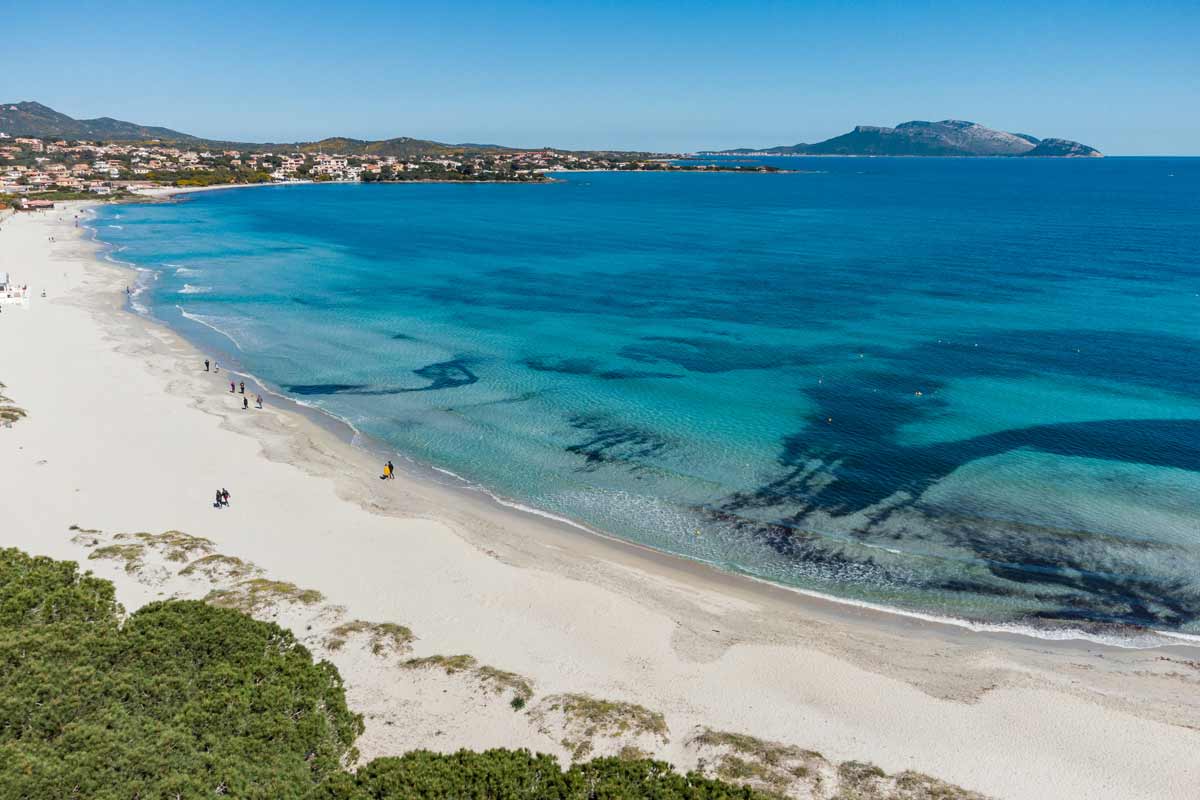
point(126, 433)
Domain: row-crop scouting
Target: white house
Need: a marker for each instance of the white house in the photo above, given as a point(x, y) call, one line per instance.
point(10, 294)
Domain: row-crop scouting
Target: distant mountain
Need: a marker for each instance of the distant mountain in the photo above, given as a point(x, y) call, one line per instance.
point(950, 137)
point(401, 147)
point(35, 119)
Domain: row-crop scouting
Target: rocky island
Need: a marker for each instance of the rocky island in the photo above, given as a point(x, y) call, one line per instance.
point(950, 137)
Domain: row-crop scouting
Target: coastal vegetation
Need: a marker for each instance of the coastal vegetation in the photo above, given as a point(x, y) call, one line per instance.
point(175, 545)
point(257, 594)
point(220, 567)
point(130, 549)
point(777, 769)
point(449, 664)
point(215, 177)
point(769, 765)
point(383, 637)
point(501, 681)
point(9, 413)
point(180, 699)
point(184, 699)
point(130, 555)
point(488, 170)
point(521, 775)
point(586, 718)
point(498, 681)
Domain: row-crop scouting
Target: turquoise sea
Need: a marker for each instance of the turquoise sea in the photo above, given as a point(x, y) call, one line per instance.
point(967, 387)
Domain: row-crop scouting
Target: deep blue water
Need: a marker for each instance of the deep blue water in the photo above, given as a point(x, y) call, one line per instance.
point(963, 386)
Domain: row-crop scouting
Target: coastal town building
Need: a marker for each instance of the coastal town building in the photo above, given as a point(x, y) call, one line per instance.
point(45, 167)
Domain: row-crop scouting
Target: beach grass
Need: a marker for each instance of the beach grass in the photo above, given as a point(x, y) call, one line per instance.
point(498, 681)
point(175, 545)
point(501, 681)
point(449, 664)
point(782, 770)
point(257, 594)
point(771, 753)
point(919, 786)
point(132, 548)
point(771, 766)
point(631, 753)
point(8, 412)
point(85, 537)
point(385, 637)
point(132, 555)
point(217, 567)
point(587, 717)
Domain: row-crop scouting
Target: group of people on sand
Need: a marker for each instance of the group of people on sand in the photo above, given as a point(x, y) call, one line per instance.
point(241, 389)
point(238, 388)
point(222, 497)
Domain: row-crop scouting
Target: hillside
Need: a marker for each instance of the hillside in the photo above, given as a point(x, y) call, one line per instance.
point(949, 137)
point(34, 119)
point(400, 147)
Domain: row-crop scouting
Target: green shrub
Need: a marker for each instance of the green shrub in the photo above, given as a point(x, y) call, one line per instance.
point(520, 775)
point(184, 699)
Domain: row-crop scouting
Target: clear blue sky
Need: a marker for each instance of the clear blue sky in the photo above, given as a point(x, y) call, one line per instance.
point(1122, 76)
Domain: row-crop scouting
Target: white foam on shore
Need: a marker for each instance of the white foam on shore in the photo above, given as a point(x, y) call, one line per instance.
point(144, 278)
point(190, 289)
point(201, 320)
point(1150, 639)
point(109, 257)
point(466, 483)
point(1187, 638)
point(357, 438)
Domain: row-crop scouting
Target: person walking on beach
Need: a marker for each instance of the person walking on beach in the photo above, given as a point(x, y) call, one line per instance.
point(245, 403)
point(242, 387)
point(219, 502)
point(258, 401)
point(225, 496)
point(232, 388)
point(391, 471)
point(206, 365)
